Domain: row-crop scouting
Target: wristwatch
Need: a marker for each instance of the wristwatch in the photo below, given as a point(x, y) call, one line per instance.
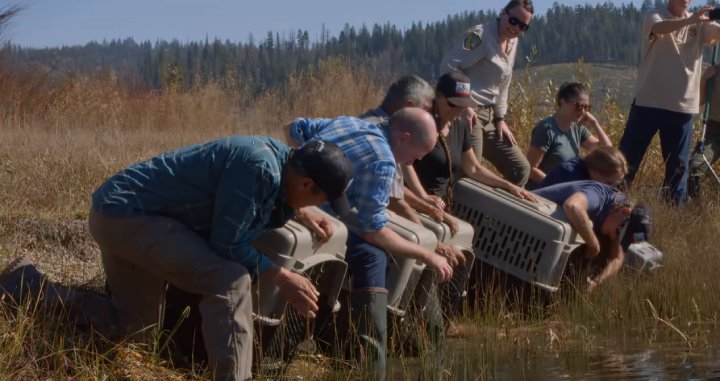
point(497, 119)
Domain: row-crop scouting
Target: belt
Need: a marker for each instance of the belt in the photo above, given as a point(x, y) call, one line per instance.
point(488, 107)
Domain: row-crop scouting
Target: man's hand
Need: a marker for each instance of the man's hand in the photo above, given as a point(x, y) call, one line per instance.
point(296, 289)
point(318, 223)
point(452, 253)
point(504, 133)
point(701, 14)
point(441, 267)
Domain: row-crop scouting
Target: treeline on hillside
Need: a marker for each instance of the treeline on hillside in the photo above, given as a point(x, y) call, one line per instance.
point(597, 33)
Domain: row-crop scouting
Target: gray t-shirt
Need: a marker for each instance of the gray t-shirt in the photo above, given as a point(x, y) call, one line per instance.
point(557, 144)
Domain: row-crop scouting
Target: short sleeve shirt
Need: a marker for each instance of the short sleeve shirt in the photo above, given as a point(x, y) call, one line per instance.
point(433, 169)
point(601, 198)
point(557, 144)
point(671, 64)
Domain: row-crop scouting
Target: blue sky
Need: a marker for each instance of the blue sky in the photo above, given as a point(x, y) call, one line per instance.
point(69, 22)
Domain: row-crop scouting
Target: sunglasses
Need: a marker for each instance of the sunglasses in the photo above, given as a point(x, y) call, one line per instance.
point(514, 21)
point(582, 107)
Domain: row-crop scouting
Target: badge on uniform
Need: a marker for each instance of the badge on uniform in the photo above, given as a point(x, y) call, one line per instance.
point(472, 41)
point(692, 31)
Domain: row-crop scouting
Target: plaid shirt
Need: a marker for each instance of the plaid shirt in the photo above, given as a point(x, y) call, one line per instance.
point(229, 191)
point(367, 146)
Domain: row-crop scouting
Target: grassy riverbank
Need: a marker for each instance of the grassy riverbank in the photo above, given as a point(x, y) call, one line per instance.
point(60, 140)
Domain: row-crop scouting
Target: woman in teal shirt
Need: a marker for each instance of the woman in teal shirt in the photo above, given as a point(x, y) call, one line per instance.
point(559, 137)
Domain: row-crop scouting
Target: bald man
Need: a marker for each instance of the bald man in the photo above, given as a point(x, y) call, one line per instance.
point(374, 149)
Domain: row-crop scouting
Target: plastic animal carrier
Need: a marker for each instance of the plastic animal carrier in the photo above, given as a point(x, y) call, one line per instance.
point(403, 273)
point(279, 328)
point(530, 241)
point(454, 291)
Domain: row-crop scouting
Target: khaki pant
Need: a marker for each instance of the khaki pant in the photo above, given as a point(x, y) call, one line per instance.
point(509, 160)
point(141, 254)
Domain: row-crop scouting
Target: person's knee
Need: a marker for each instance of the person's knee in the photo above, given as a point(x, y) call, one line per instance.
point(368, 264)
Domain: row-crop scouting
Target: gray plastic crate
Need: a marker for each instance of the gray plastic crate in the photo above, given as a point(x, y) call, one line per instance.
point(454, 291)
point(519, 237)
point(294, 247)
point(403, 273)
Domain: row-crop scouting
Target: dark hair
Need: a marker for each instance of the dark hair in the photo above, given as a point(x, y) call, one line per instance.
point(606, 161)
point(527, 4)
point(569, 90)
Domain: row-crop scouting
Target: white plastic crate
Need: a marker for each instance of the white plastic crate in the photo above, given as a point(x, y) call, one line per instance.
point(519, 237)
point(295, 248)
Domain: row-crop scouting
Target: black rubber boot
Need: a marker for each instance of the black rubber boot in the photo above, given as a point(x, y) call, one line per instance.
point(369, 314)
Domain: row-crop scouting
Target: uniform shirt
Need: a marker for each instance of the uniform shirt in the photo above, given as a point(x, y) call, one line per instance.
point(368, 148)
point(433, 169)
point(478, 55)
point(378, 116)
point(601, 198)
point(569, 170)
point(671, 64)
point(557, 144)
point(229, 191)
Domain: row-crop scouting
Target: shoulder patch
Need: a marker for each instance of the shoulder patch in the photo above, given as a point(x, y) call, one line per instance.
point(472, 40)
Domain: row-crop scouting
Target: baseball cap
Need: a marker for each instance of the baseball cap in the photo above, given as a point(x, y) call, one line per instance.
point(639, 226)
point(331, 170)
point(456, 88)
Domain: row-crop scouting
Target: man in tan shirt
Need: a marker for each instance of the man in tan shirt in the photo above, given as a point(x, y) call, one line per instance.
point(667, 90)
point(486, 54)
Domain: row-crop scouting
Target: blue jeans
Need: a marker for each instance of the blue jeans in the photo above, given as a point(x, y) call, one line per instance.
point(675, 130)
point(366, 262)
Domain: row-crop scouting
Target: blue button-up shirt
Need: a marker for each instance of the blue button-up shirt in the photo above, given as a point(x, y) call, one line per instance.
point(368, 148)
point(229, 191)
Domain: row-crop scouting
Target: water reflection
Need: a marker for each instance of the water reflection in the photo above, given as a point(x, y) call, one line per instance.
point(612, 357)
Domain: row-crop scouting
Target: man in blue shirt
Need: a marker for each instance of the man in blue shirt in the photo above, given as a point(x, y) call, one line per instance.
point(373, 149)
point(188, 216)
point(600, 215)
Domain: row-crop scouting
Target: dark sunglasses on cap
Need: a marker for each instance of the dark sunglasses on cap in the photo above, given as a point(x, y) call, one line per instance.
point(514, 21)
point(582, 107)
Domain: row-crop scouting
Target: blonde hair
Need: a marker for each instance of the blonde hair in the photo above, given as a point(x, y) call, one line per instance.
point(606, 161)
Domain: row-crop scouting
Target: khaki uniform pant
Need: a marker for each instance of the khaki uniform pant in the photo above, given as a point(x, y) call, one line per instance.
point(141, 254)
point(509, 160)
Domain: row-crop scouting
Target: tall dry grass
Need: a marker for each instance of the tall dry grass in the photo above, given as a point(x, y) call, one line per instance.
point(61, 137)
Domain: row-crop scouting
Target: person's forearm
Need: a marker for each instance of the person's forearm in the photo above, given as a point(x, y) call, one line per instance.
point(396, 245)
point(412, 181)
point(537, 175)
point(613, 266)
point(402, 208)
point(603, 138)
point(669, 26)
point(487, 177)
point(579, 219)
